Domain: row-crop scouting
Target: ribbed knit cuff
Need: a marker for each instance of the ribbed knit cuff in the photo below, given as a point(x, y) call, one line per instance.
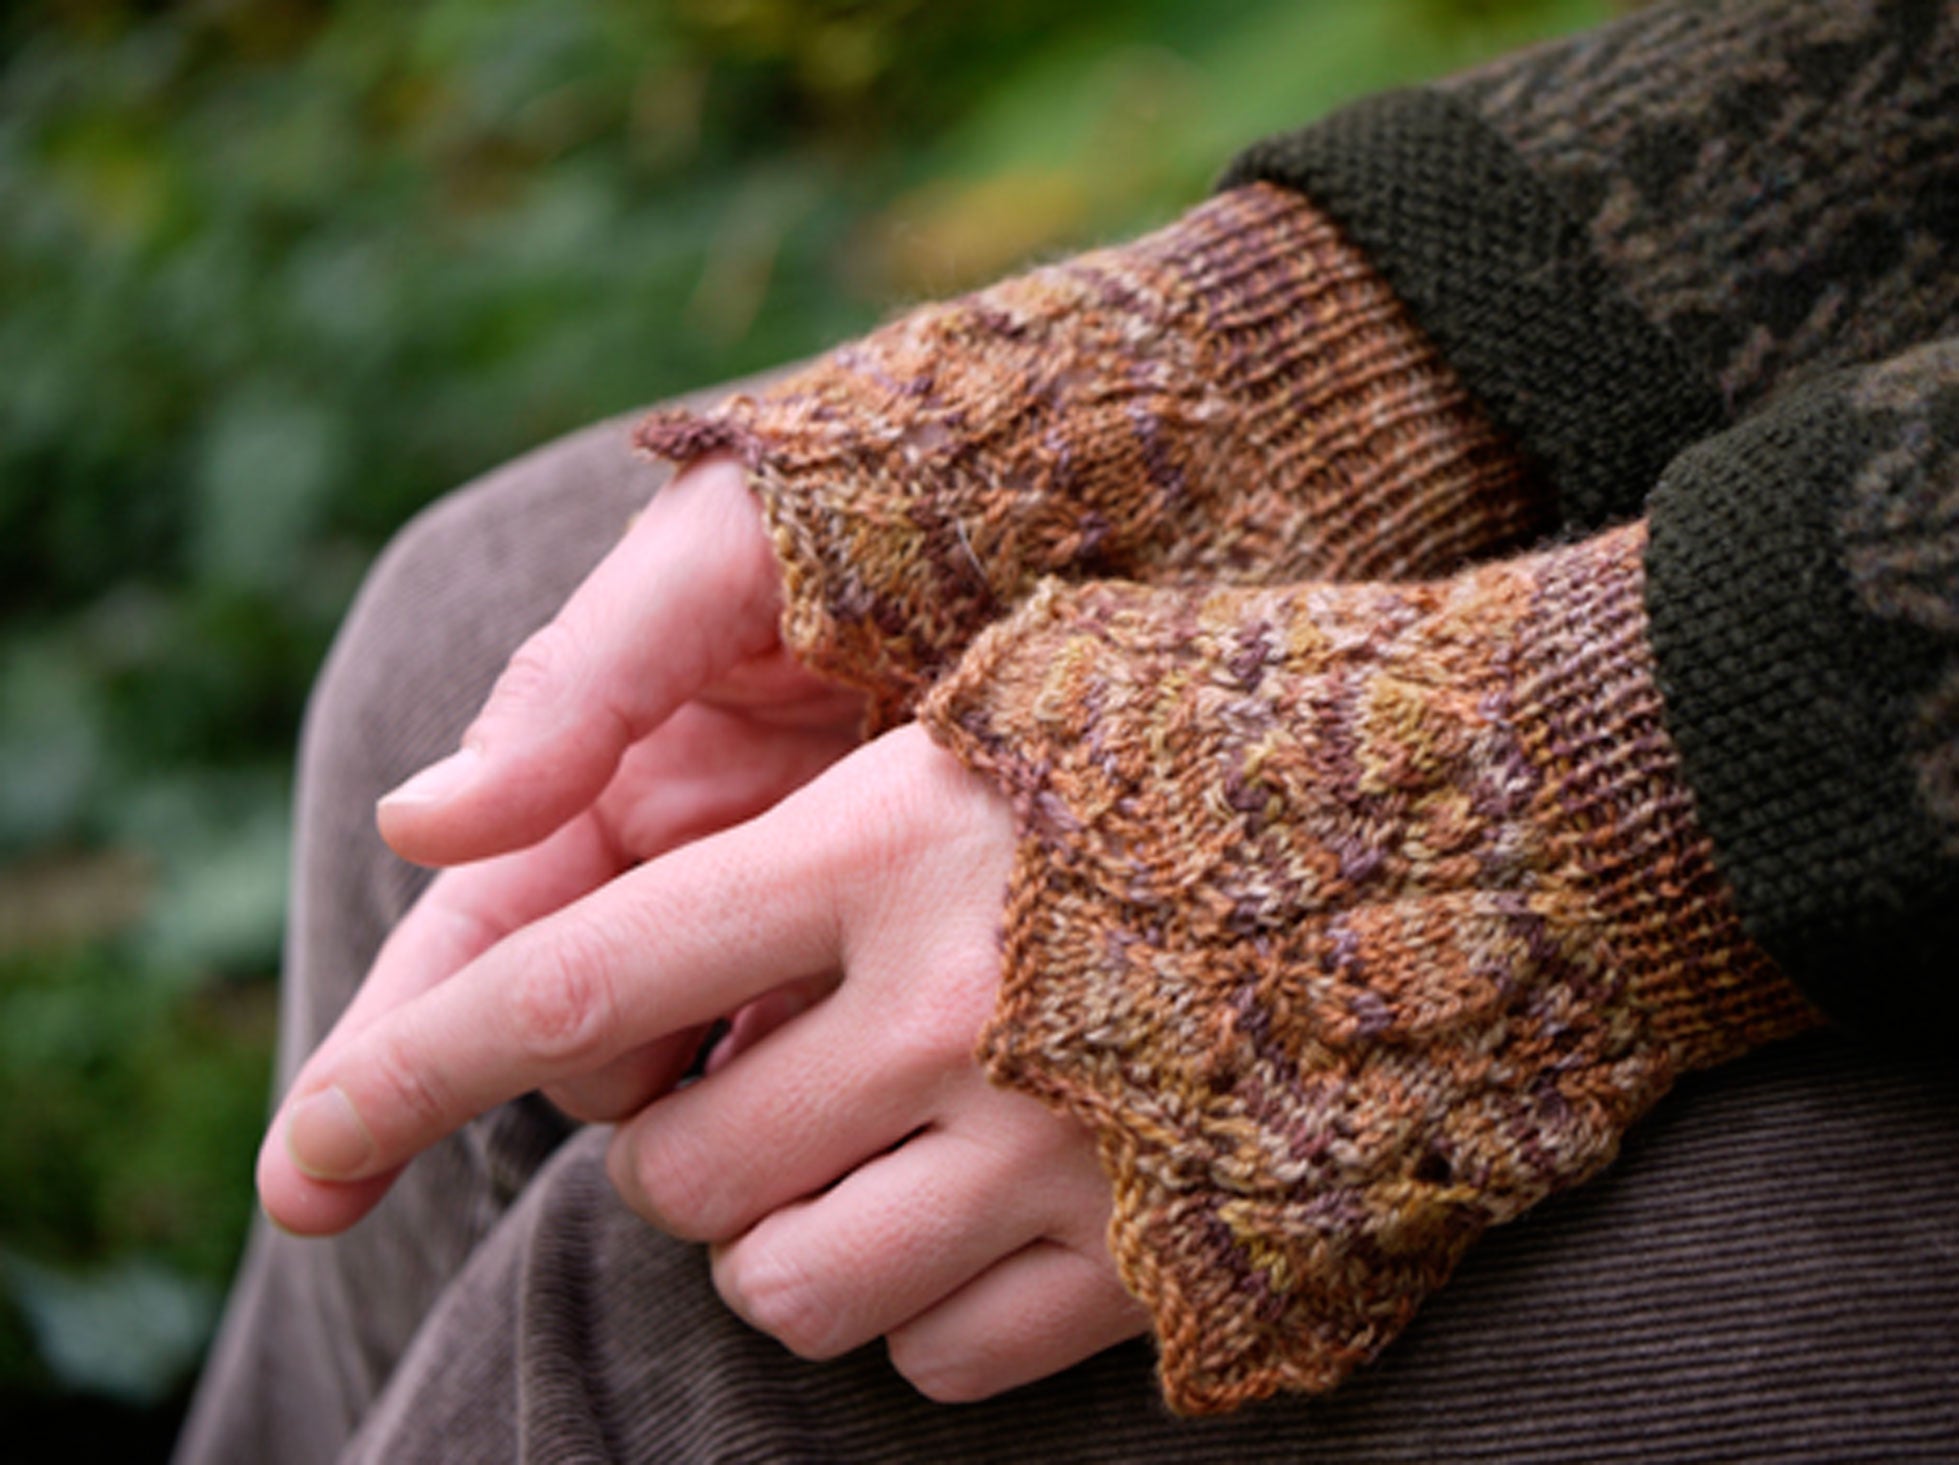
point(1353, 919)
point(1236, 398)
point(1495, 270)
point(1372, 454)
point(1628, 818)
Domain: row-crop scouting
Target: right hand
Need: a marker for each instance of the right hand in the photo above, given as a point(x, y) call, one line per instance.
point(658, 706)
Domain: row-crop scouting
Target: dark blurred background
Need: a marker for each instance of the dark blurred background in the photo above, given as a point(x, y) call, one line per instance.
point(275, 273)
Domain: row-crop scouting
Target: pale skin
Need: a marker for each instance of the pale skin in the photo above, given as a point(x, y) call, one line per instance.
point(660, 820)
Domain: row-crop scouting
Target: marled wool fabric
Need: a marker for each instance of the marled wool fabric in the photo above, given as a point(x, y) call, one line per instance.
point(1899, 527)
point(1354, 920)
point(1775, 182)
point(1235, 398)
point(1803, 590)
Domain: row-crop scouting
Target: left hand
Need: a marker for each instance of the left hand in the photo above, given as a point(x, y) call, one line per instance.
point(657, 706)
point(854, 1170)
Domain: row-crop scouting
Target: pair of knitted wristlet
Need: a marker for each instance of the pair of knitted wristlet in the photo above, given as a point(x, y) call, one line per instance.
point(1354, 909)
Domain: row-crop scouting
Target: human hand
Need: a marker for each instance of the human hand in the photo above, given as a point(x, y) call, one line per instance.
point(855, 1171)
point(656, 707)
point(1357, 919)
point(659, 695)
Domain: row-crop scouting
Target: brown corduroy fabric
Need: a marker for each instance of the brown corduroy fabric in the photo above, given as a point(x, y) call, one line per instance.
point(1771, 1269)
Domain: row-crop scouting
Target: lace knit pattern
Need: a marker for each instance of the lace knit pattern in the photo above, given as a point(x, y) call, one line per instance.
point(1353, 919)
point(1237, 398)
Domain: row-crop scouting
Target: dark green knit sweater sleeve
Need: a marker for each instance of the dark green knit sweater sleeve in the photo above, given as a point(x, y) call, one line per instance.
point(1774, 182)
point(1803, 595)
point(1624, 240)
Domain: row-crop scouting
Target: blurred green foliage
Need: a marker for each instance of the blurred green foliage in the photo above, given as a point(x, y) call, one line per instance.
point(274, 273)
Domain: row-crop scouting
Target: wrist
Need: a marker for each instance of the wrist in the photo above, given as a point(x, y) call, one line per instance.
point(1236, 398)
point(1707, 991)
point(1368, 458)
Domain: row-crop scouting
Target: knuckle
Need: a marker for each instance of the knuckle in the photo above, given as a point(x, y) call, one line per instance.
point(538, 672)
point(941, 1375)
point(920, 780)
point(411, 1088)
point(909, 819)
point(932, 1038)
point(682, 1193)
point(892, 792)
point(779, 1297)
point(936, 1028)
point(563, 1004)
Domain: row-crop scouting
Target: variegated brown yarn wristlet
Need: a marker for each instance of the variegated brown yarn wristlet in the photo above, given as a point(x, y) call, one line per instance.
point(1354, 919)
point(1237, 398)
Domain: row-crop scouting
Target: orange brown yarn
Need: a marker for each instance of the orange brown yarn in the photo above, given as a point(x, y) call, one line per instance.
point(1354, 920)
point(1238, 398)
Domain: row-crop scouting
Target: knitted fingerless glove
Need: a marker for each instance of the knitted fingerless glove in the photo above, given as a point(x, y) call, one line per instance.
point(1353, 919)
point(1236, 398)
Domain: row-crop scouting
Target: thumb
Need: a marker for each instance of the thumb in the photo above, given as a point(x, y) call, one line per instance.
point(691, 591)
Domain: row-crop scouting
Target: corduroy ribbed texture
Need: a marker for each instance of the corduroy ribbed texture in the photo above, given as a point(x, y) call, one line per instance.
point(1770, 1270)
point(1354, 920)
point(1236, 398)
point(1716, 1297)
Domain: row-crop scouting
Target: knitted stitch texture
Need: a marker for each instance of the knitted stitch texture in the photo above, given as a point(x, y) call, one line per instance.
point(1624, 240)
point(1498, 273)
point(1774, 182)
point(1803, 595)
point(1235, 398)
point(1353, 919)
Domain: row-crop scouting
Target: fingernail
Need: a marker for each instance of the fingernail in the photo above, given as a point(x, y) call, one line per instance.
point(437, 783)
point(326, 1138)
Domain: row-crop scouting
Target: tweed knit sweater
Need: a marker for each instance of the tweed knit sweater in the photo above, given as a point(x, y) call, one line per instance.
point(1356, 916)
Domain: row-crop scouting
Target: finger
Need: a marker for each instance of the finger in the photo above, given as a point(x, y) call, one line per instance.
point(689, 592)
point(466, 911)
point(888, 1242)
point(1043, 1309)
point(630, 1082)
point(704, 770)
point(669, 946)
point(763, 1016)
point(708, 768)
point(810, 1103)
point(462, 914)
point(627, 1085)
